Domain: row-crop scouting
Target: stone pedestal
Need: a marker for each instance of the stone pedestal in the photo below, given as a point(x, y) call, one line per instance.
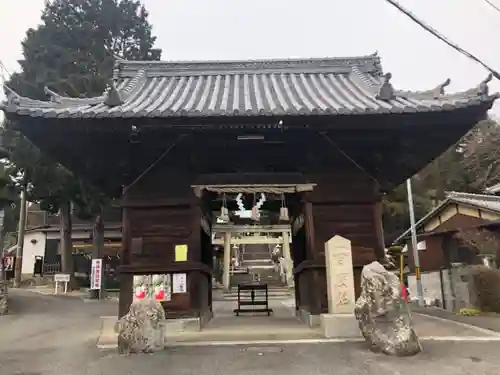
point(142, 329)
point(4, 305)
point(340, 325)
point(340, 320)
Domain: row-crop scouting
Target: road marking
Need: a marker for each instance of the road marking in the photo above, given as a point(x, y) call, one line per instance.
point(461, 324)
point(461, 338)
point(492, 336)
point(312, 341)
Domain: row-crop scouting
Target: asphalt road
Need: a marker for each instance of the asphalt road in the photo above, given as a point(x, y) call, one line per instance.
point(57, 335)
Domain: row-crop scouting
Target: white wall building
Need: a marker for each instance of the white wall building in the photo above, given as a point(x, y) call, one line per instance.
point(39, 242)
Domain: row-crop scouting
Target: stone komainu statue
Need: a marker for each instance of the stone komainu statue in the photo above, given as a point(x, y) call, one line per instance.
point(383, 315)
point(142, 328)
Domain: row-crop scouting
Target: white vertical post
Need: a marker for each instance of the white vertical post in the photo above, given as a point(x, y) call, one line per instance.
point(226, 277)
point(288, 259)
point(413, 230)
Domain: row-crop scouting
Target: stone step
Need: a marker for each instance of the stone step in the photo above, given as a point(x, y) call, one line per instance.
point(270, 282)
point(273, 293)
point(266, 274)
point(257, 260)
point(256, 256)
point(259, 266)
point(270, 288)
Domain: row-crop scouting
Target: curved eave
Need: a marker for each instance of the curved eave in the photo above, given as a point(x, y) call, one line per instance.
point(398, 106)
point(322, 93)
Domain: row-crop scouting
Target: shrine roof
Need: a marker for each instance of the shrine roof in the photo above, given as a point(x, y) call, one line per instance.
point(315, 87)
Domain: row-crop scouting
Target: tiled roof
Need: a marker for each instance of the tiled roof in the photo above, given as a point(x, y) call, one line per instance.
point(492, 189)
point(488, 202)
point(329, 86)
point(481, 201)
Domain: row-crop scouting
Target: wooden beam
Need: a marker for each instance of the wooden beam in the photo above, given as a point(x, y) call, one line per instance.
point(250, 229)
point(356, 135)
point(250, 240)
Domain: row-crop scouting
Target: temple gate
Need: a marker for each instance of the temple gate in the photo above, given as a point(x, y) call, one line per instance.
point(334, 130)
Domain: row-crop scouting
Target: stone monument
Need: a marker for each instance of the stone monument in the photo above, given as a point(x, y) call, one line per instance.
point(340, 320)
point(142, 329)
point(383, 315)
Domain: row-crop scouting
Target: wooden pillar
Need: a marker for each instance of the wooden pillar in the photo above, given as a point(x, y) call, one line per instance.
point(309, 226)
point(196, 213)
point(197, 282)
point(379, 230)
point(126, 279)
point(298, 247)
point(314, 277)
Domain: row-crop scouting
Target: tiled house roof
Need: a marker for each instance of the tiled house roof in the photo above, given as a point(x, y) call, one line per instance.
point(481, 201)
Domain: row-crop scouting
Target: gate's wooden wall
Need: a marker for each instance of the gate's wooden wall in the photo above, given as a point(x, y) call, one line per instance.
point(153, 224)
point(161, 214)
point(344, 204)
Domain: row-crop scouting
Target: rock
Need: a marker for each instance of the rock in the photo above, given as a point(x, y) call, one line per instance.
point(4, 304)
point(141, 330)
point(384, 317)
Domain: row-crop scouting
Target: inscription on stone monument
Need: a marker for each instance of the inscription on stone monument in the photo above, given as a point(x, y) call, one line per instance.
point(340, 277)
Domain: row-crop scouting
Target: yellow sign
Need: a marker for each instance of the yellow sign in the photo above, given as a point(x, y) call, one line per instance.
point(181, 253)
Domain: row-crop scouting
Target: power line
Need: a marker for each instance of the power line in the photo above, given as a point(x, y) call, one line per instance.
point(4, 68)
point(4, 76)
point(4, 72)
point(441, 37)
point(492, 5)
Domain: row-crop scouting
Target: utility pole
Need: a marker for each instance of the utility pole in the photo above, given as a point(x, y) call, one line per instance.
point(420, 290)
point(402, 267)
point(5, 200)
point(20, 239)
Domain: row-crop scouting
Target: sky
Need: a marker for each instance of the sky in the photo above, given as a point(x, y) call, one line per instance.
point(237, 29)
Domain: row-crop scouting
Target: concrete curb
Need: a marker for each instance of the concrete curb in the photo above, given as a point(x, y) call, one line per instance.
point(107, 339)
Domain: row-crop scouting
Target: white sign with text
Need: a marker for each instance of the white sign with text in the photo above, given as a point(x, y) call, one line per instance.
point(96, 274)
point(61, 278)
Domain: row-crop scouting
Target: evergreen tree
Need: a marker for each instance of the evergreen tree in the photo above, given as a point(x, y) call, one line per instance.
point(481, 155)
point(72, 52)
point(471, 165)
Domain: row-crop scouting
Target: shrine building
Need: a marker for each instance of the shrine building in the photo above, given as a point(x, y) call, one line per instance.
point(324, 138)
